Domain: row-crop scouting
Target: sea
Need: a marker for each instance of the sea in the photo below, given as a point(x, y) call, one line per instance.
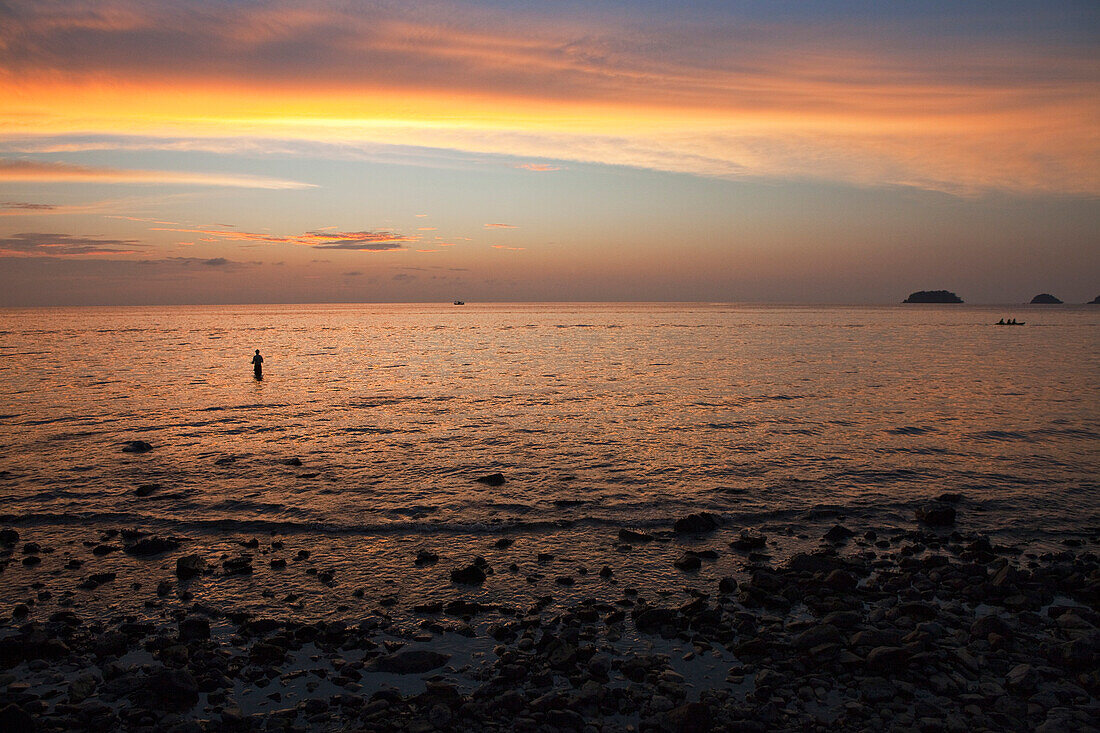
point(785, 420)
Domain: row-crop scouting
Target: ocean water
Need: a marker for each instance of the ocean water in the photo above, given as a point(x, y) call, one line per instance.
point(599, 416)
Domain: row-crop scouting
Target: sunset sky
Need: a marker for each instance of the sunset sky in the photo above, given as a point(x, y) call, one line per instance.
point(826, 152)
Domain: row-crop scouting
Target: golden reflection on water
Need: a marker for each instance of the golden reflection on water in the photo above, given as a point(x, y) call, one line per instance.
point(612, 413)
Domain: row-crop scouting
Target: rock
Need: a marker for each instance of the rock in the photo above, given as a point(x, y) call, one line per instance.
point(839, 533)
point(171, 689)
point(695, 523)
point(295, 461)
point(97, 579)
point(13, 719)
point(629, 535)
point(887, 659)
point(504, 543)
point(146, 489)
point(983, 626)
point(425, 557)
point(439, 716)
point(1095, 301)
point(136, 446)
point(189, 566)
point(263, 653)
point(1045, 299)
point(241, 565)
point(918, 610)
point(650, 620)
point(606, 572)
point(277, 563)
point(82, 687)
point(469, 575)
point(818, 635)
point(933, 296)
point(493, 479)
point(564, 719)
point(413, 661)
point(936, 514)
point(688, 562)
point(692, 717)
point(1022, 679)
point(841, 580)
point(950, 498)
point(151, 546)
point(194, 628)
point(727, 585)
point(749, 541)
point(8, 537)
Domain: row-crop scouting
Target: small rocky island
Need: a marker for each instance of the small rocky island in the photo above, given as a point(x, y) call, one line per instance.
point(933, 296)
point(1095, 301)
point(1045, 299)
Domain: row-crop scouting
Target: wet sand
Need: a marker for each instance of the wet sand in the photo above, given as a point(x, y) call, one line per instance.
point(931, 629)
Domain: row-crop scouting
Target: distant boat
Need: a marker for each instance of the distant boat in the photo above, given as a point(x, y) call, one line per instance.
point(1010, 323)
point(460, 302)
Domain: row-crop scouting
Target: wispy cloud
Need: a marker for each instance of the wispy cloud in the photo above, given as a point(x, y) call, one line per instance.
point(501, 226)
point(45, 244)
point(22, 206)
point(539, 167)
point(363, 241)
point(509, 249)
point(37, 170)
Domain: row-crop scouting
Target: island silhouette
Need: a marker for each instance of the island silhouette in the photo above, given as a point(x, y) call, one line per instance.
point(933, 296)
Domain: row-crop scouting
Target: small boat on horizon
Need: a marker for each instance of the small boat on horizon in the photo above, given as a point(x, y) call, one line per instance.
point(1011, 322)
point(460, 302)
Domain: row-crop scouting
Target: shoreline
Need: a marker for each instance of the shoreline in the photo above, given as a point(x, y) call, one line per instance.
point(927, 628)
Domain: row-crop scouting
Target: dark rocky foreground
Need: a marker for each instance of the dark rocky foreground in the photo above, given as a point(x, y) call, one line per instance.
point(926, 630)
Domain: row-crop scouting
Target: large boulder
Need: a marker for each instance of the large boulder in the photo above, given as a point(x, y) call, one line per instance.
point(472, 574)
point(151, 546)
point(694, 523)
point(189, 566)
point(936, 514)
point(1045, 299)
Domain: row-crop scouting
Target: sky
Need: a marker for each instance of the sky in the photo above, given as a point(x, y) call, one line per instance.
point(247, 151)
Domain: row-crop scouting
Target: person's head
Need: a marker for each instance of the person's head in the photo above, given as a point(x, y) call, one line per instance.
point(257, 351)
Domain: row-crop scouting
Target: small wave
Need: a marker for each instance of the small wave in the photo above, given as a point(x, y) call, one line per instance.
point(1001, 435)
point(254, 406)
point(1067, 432)
point(911, 430)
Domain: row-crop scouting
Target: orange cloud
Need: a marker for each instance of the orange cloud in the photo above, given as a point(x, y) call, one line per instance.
point(731, 98)
point(510, 249)
point(35, 170)
point(501, 226)
point(539, 167)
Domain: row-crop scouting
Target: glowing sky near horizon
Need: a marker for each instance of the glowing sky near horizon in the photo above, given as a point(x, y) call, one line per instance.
point(193, 152)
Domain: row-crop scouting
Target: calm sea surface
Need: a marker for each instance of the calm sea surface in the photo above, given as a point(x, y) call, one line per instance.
point(598, 415)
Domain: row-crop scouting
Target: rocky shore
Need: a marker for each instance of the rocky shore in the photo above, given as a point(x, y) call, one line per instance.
point(927, 629)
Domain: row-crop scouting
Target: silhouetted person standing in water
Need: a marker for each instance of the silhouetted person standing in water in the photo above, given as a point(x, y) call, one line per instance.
point(258, 365)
